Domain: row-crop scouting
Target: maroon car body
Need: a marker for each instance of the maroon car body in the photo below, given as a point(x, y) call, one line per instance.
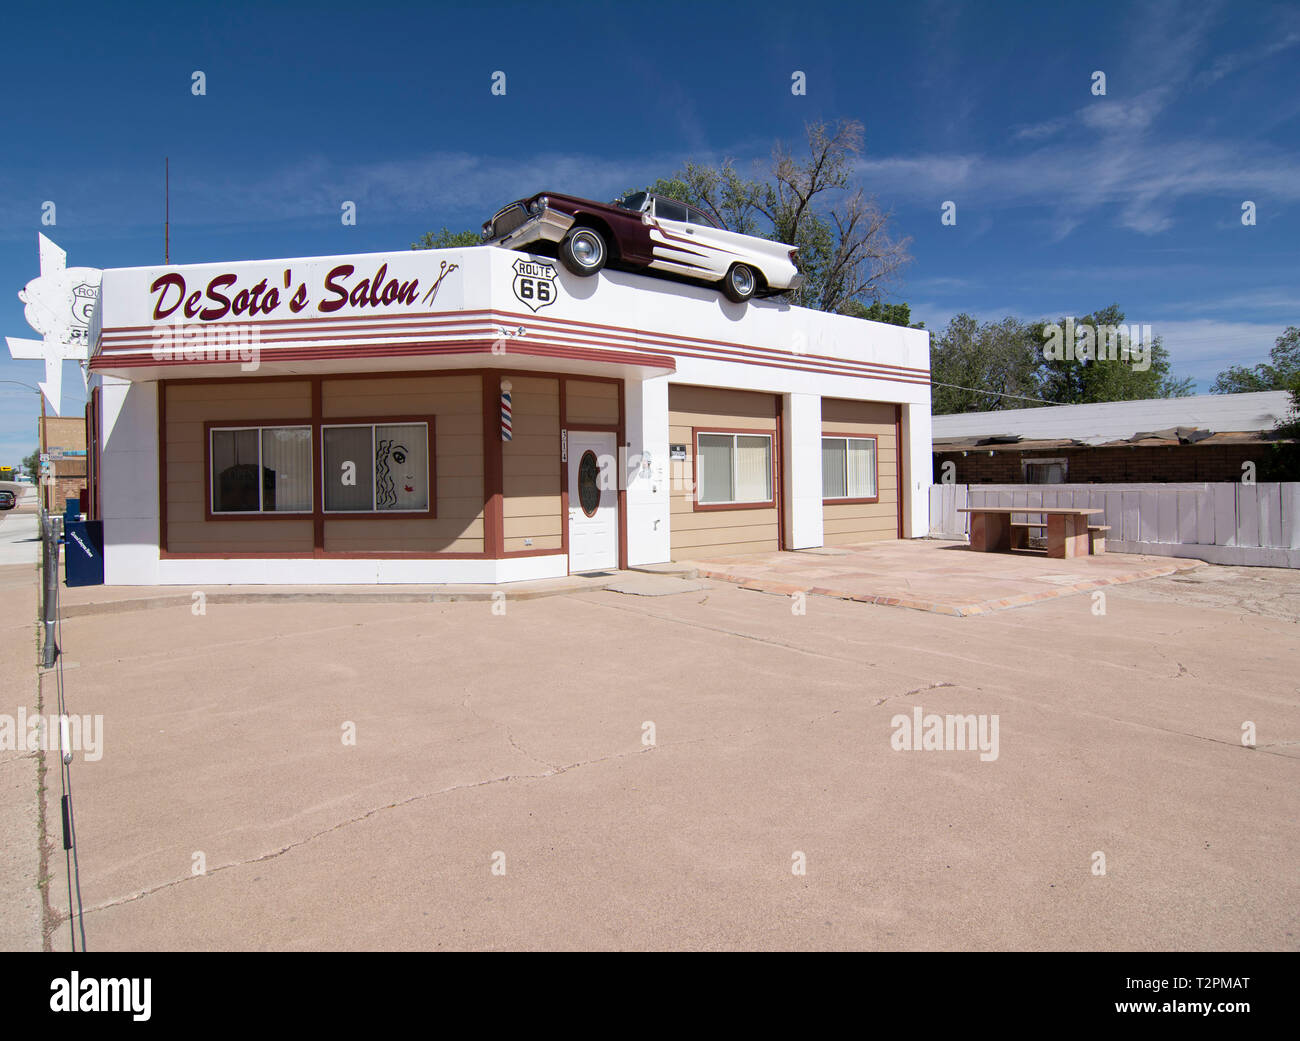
point(628, 235)
point(647, 233)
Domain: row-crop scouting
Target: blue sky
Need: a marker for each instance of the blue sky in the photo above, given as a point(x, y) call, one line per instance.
point(1065, 201)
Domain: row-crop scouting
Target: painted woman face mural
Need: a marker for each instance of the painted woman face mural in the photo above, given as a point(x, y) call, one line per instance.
point(401, 469)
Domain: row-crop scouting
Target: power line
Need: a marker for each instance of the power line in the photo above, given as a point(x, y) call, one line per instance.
point(996, 393)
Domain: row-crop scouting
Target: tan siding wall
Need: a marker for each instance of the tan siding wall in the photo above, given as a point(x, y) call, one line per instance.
point(531, 466)
point(188, 407)
point(591, 402)
point(717, 532)
point(456, 403)
point(864, 522)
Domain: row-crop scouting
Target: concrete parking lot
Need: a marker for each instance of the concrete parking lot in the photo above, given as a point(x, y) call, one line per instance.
point(603, 770)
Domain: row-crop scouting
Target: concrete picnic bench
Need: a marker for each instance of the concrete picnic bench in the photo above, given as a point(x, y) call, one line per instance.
point(1068, 532)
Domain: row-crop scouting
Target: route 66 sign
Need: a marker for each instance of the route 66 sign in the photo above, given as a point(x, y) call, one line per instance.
point(534, 284)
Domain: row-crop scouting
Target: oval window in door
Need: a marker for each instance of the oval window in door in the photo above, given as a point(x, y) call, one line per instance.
point(588, 483)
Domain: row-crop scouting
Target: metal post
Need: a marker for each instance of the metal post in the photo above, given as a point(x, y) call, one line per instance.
point(50, 584)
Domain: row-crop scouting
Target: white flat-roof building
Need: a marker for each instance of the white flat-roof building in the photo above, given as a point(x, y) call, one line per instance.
point(481, 415)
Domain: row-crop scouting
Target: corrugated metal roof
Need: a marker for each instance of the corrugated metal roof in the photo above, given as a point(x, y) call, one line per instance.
point(1029, 444)
point(1119, 420)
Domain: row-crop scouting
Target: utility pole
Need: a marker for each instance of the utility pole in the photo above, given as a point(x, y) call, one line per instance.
point(40, 461)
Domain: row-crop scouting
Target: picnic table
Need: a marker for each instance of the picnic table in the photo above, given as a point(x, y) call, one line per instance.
point(1068, 532)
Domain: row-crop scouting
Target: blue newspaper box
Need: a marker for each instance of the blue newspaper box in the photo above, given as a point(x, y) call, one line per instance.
point(83, 553)
point(71, 509)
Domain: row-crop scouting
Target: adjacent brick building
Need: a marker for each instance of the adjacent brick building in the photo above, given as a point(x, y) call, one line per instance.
point(1203, 438)
point(65, 435)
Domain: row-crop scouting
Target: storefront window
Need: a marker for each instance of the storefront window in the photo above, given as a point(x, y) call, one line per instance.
point(734, 468)
point(260, 469)
point(376, 468)
point(848, 468)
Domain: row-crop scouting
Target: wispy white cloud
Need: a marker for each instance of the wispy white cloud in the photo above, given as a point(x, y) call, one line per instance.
point(1113, 156)
point(1228, 64)
point(448, 185)
point(1145, 179)
point(1039, 131)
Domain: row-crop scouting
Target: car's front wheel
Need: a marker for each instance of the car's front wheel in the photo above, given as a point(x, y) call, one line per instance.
point(584, 251)
point(740, 283)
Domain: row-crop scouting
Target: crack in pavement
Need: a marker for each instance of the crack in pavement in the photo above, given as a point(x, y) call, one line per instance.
point(273, 854)
point(510, 737)
point(919, 690)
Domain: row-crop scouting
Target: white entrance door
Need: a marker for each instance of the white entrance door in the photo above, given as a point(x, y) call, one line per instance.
point(593, 501)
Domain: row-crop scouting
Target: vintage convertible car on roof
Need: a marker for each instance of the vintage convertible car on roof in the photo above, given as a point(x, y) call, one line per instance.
point(645, 232)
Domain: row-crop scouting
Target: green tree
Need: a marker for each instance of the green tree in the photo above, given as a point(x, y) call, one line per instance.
point(879, 311)
point(1280, 372)
point(1071, 381)
point(978, 367)
point(847, 252)
point(447, 239)
point(32, 463)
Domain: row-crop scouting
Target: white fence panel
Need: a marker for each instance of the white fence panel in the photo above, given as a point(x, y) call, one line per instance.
point(1225, 514)
point(1225, 523)
point(1290, 526)
point(1247, 515)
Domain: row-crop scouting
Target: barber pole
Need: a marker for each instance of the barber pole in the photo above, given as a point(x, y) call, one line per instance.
point(505, 410)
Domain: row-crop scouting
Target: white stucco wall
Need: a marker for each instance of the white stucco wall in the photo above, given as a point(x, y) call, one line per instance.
point(647, 493)
point(128, 481)
point(802, 450)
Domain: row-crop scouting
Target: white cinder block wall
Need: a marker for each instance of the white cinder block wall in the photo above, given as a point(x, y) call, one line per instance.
point(128, 481)
point(919, 469)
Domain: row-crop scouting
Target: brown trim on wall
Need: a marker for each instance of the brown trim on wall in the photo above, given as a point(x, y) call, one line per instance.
point(876, 456)
point(511, 554)
point(318, 452)
point(402, 374)
point(898, 464)
point(769, 504)
point(97, 458)
point(426, 349)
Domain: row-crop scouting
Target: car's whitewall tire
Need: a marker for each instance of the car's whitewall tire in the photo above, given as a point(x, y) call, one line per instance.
point(584, 251)
point(740, 283)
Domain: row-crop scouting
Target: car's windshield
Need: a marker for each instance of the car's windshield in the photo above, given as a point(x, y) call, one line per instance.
point(632, 202)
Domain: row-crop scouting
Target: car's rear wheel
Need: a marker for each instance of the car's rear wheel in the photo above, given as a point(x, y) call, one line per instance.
point(584, 251)
point(740, 283)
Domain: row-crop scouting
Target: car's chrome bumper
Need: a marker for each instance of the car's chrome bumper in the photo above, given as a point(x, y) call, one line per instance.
point(547, 226)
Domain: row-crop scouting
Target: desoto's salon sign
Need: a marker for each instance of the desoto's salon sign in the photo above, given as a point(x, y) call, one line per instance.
point(223, 296)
